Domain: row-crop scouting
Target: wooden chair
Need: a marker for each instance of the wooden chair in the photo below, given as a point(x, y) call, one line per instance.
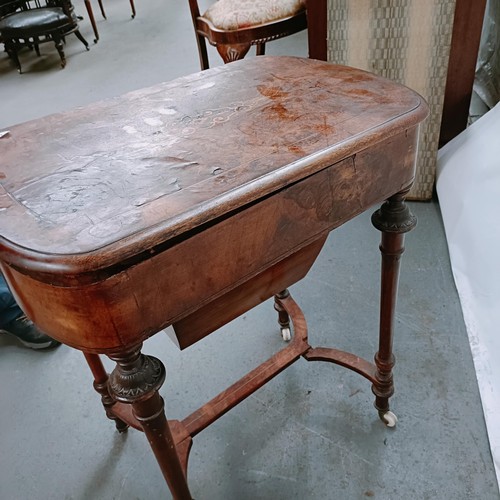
point(30, 23)
point(101, 6)
point(233, 26)
point(90, 13)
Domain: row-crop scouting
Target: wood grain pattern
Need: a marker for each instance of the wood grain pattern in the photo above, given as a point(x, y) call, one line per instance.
point(317, 31)
point(193, 271)
point(189, 203)
point(108, 227)
point(467, 26)
point(120, 176)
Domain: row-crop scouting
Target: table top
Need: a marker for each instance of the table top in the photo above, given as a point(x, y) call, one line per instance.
point(123, 175)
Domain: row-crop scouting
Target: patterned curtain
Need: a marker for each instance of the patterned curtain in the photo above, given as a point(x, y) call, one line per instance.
point(407, 41)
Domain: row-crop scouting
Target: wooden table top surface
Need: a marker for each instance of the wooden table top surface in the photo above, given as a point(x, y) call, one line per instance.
point(120, 176)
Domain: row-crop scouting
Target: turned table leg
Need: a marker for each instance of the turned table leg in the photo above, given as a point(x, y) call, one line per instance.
point(101, 386)
point(136, 380)
point(283, 317)
point(393, 219)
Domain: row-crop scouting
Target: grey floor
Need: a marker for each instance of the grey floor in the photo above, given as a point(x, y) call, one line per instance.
point(312, 433)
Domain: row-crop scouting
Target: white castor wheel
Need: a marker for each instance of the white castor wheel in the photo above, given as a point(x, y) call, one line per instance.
point(286, 334)
point(388, 418)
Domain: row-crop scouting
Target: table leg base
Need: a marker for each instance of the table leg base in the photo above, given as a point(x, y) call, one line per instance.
point(393, 219)
point(135, 381)
point(283, 317)
point(184, 431)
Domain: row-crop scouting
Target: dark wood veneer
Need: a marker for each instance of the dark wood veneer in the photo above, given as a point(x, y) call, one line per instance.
point(189, 203)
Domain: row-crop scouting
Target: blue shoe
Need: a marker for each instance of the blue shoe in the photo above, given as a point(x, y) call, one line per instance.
point(25, 331)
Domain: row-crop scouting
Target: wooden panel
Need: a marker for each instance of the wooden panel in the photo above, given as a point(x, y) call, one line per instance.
point(139, 301)
point(246, 296)
point(104, 184)
point(466, 37)
point(317, 32)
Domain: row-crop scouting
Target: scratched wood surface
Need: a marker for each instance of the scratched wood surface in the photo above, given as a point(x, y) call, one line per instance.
point(190, 202)
point(122, 175)
point(209, 276)
point(187, 204)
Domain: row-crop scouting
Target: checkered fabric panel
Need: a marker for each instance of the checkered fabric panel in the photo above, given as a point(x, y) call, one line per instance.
point(407, 41)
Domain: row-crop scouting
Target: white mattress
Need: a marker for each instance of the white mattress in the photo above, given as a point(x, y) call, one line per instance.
point(468, 186)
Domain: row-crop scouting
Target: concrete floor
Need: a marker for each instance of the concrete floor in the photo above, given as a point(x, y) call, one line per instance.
point(312, 433)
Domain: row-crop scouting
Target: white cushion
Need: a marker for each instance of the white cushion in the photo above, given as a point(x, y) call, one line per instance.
point(236, 14)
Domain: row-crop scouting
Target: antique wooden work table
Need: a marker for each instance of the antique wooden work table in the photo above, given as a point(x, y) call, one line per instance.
point(189, 203)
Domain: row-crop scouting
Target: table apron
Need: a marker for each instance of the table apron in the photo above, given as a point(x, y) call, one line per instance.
point(269, 244)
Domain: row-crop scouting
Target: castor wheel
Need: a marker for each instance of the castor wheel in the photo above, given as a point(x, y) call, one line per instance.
point(286, 333)
point(121, 426)
point(389, 418)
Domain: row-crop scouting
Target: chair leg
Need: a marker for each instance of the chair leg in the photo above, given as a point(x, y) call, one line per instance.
point(202, 52)
point(11, 50)
point(59, 46)
point(133, 8)
point(261, 49)
point(235, 52)
point(90, 13)
point(102, 9)
point(80, 37)
point(15, 58)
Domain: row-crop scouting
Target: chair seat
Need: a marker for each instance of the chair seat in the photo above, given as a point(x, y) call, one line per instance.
point(46, 18)
point(236, 14)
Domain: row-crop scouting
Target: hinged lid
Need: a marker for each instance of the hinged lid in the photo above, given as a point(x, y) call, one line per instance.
point(118, 177)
